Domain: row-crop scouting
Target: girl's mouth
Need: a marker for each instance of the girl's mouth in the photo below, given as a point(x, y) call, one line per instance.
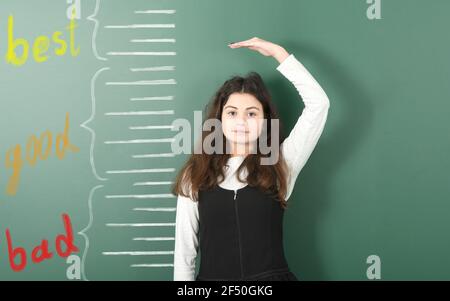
point(240, 132)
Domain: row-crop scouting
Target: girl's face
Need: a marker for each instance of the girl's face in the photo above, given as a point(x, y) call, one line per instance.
point(242, 118)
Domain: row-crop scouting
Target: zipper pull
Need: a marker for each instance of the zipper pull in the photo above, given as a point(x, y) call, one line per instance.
point(235, 194)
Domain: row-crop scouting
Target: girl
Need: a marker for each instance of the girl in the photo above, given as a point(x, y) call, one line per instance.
point(230, 206)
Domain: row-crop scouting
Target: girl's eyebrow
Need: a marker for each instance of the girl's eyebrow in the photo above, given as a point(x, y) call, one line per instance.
point(236, 108)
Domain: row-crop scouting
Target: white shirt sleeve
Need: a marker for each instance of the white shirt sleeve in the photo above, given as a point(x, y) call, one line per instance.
point(302, 139)
point(186, 239)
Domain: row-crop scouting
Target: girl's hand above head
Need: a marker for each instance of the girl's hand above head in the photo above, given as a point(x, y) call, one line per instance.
point(266, 48)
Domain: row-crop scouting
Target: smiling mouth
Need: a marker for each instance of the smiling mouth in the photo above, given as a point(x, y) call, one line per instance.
point(241, 132)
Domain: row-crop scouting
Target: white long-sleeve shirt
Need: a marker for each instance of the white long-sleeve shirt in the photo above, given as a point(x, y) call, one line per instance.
point(296, 149)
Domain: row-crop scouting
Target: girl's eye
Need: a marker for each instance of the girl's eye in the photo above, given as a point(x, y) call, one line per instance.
point(252, 114)
point(231, 113)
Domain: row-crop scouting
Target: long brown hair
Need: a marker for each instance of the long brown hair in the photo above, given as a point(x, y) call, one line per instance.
point(203, 171)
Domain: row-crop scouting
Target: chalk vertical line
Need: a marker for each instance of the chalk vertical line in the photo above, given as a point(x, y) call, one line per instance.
point(92, 132)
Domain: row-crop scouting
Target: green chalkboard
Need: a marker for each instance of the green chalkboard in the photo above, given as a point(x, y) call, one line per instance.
point(89, 91)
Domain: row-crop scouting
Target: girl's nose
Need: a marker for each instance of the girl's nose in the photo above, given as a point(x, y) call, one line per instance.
point(240, 119)
point(240, 127)
point(243, 117)
point(241, 122)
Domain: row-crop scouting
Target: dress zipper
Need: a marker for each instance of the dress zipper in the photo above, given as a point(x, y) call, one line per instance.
point(239, 233)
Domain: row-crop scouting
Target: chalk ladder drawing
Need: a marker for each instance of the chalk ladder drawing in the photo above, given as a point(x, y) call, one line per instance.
point(140, 70)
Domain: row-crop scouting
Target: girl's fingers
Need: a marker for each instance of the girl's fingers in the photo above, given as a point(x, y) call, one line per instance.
point(236, 46)
point(248, 47)
point(249, 42)
point(242, 44)
point(253, 44)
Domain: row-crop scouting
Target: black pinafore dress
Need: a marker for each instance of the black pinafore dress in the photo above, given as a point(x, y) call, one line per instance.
point(241, 236)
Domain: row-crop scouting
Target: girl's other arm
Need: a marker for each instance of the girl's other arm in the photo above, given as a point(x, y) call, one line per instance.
point(186, 239)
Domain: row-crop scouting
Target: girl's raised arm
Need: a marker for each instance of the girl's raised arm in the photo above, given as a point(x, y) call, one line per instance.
point(301, 141)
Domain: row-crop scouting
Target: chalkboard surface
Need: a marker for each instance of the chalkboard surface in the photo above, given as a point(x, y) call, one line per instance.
point(89, 91)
